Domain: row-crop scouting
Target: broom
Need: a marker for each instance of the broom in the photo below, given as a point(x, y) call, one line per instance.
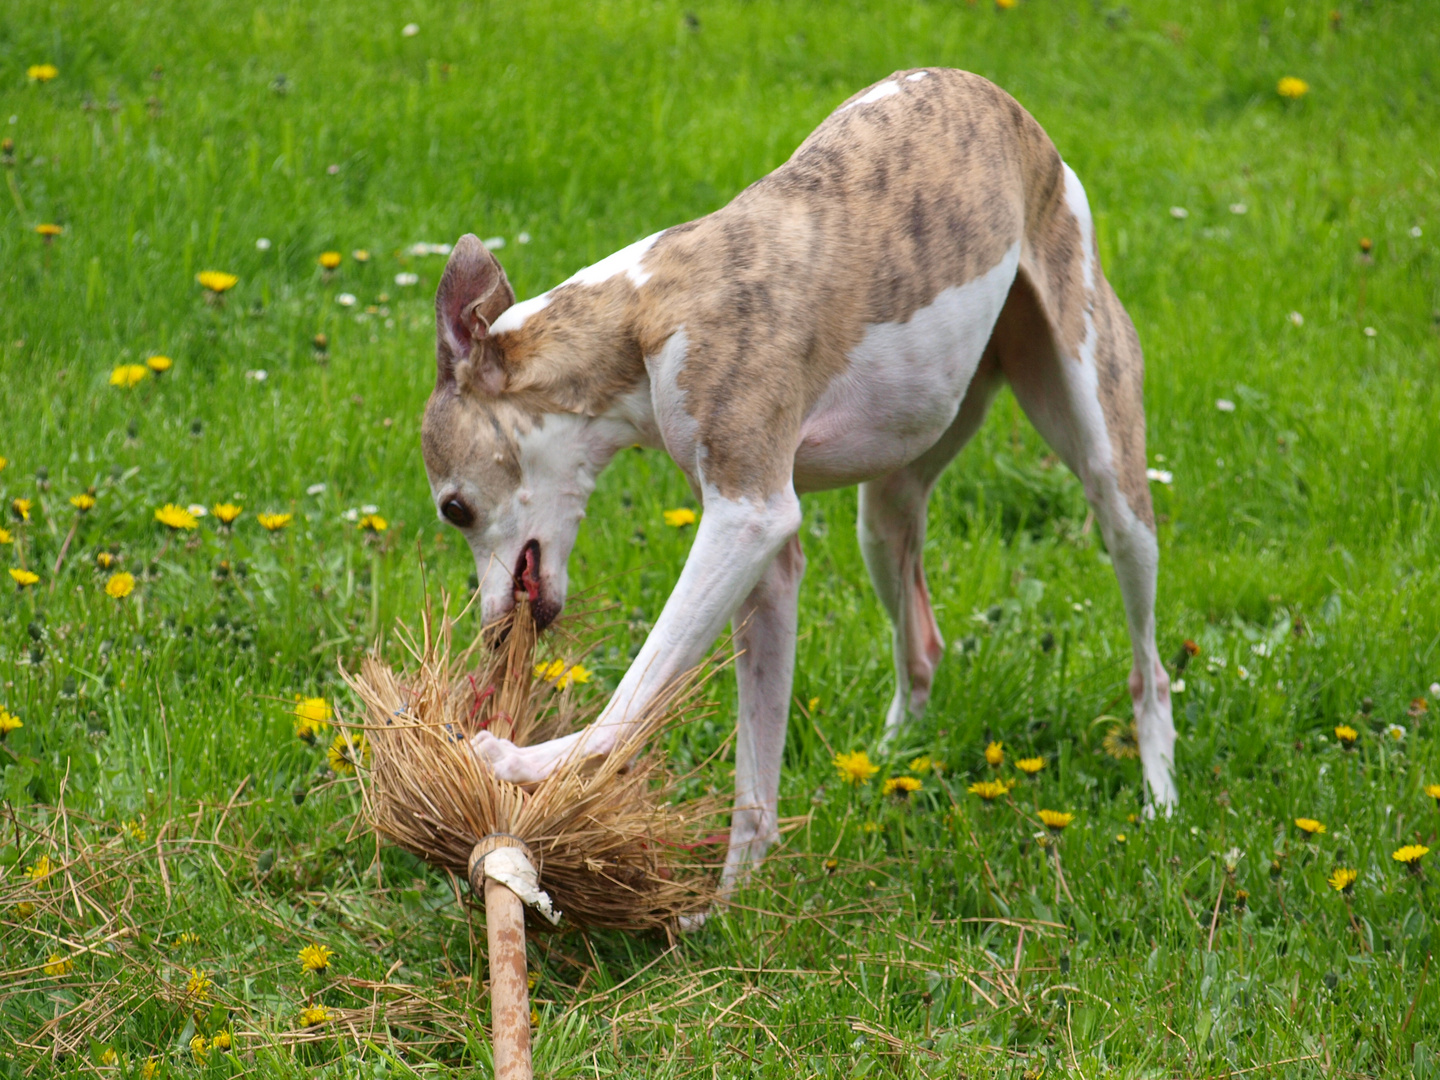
point(598, 840)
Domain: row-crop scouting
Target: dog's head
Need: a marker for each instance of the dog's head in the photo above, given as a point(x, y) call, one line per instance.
point(512, 476)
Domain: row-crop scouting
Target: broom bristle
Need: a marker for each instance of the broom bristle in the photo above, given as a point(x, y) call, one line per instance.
point(611, 847)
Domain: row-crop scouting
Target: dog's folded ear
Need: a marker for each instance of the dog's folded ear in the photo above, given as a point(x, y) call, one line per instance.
point(473, 292)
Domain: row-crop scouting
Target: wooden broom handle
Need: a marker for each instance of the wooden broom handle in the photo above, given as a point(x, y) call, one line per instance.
point(509, 983)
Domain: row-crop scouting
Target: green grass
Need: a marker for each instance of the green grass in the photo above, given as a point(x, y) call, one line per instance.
point(1299, 541)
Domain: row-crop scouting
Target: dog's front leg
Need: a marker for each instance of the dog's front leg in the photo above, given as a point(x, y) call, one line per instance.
point(735, 543)
point(765, 629)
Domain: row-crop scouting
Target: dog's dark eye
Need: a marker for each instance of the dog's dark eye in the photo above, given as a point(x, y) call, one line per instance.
point(458, 514)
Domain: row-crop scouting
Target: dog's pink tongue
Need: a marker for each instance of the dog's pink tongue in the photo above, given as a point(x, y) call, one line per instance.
point(528, 576)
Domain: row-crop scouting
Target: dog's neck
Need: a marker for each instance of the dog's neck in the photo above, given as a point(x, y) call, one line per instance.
point(580, 348)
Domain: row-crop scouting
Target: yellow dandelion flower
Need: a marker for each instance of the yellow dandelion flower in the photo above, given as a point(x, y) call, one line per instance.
point(900, 786)
point(1433, 790)
point(1292, 88)
point(373, 523)
point(679, 518)
point(577, 673)
point(128, 376)
point(59, 964)
point(1410, 855)
point(83, 502)
point(855, 768)
point(221, 1041)
point(21, 508)
point(159, 364)
point(1309, 825)
point(3, 462)
point(1343, 880)
point(922, 764)
point(995, 754)
point(24, 909)
point(274, 522)
point(1347, 735)
point(871, 827)
point(549, 671)
point(198, 1045)
point(534, 1017)
point(41, 73)
point(313, 1015)
point(108, 1056)
point(1122, 743)
point(315, 957)
point(5, 537)
point(199, 984)
point(104, 560)
point(42, 869)
point(120, 585)
point(360, 255)
point(312, 715)
point(8, 722)
point(135, 830)
point(176, 517)
point(330, 259)
point(315, 710)
point(226, 513)
point(346, 751)
point(1120, 838)
point(1056, 820)
point(1006, 5)
point(24, 578)
point(989, 790)
point(186, 938)
point(217, 281)
point(49, 231)
point(1030, 765)
point(150, 1069)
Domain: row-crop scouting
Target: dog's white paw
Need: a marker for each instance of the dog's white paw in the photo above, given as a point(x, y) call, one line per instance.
point(689, 924)
point(505, 759)
point(520, 764)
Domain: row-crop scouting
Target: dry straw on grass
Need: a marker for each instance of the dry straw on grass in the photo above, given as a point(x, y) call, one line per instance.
point(610, 846)
point(113, 905)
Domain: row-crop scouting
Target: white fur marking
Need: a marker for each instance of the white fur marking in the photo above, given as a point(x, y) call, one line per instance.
point(1080, 207)
point(625, 261)
point(679, 430)
point(884, 90)
point(513, 317)
point(903, 385)
point(916, 76)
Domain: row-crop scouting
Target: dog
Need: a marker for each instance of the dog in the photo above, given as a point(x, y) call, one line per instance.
point(846, 319)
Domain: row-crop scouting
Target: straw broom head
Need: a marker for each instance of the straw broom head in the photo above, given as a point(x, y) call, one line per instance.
point(610, 847)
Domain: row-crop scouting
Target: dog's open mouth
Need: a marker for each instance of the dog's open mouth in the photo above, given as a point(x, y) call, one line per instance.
point(527, 571)
point(527, 581)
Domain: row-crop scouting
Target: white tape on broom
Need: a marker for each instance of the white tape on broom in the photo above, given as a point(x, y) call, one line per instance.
point(510, 867)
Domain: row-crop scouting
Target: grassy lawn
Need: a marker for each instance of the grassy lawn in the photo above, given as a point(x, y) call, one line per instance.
point(1293, 393)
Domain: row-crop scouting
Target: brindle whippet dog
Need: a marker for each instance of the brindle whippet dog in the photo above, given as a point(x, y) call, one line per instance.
point(845, 320)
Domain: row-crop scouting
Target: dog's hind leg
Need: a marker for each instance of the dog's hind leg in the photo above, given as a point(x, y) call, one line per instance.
point(1089, 408)
point(892, 539)
point(764, 671)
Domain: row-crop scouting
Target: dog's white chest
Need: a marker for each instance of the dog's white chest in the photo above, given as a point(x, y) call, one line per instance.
point(903, 386)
